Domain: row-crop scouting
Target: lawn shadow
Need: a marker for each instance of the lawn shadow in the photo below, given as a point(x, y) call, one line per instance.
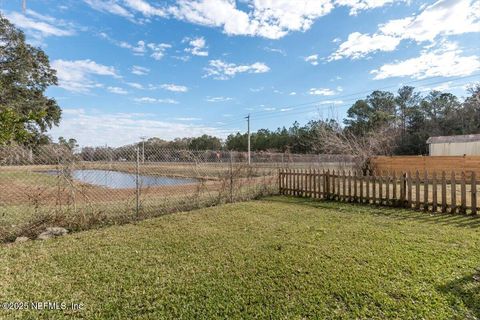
point(457, 220)
point(467, 290)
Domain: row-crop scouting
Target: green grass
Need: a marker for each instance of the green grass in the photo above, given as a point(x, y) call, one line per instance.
point(29, 178)
point(276, 258)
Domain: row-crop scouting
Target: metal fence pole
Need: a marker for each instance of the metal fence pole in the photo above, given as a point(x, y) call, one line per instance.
point(231, 177)
point(137, 184)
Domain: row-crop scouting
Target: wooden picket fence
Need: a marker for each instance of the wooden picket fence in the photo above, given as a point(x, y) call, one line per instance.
point(453, 193)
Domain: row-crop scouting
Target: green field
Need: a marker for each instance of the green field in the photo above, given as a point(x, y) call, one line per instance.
point(275, 258)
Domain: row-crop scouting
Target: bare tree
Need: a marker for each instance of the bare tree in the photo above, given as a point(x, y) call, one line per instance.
point(362, 148)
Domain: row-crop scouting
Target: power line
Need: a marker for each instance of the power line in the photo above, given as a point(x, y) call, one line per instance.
point(317, 108)
point(355, 96)
point(369, 91)
point(307, 106)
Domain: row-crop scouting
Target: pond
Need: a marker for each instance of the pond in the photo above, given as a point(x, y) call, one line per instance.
point(122, 180)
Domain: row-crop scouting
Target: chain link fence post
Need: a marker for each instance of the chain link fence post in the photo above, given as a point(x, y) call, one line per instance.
point(137, 182)
point(231, 177)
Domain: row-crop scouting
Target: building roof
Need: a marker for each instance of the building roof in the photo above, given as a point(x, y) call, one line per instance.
point(454, 139)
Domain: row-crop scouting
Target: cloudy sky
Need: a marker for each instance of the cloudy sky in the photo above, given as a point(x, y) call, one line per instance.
point(131, 68)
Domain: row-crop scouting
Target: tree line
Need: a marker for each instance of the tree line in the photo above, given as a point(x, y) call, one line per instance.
point(408, 116)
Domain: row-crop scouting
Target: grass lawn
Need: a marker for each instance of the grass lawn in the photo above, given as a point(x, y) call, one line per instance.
point(275, 258)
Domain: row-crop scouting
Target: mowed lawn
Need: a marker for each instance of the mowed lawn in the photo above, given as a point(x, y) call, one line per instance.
point(274, 258)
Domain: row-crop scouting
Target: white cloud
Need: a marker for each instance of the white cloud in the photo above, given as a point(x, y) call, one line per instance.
point(332, 102)
point(359, 45)
point(116, 129)
point(155, 100)
point(285, 109)
point(272, 19)
point(447, 86)
point(188, 119)
point(77, 75)
point(109, 6)
point(117, 90)
point(221, 70)
point(182, 58)
point(446, 61)
point(145, 100)
point(322, 92)
point(127, 8)
point(158, 50)
point(173, 87)
point(279, 51)
point(144, 8)
point(138, 49)
point(265, 18)
point(313, 59)
point(293, 93)
point(140, 71)
point(443, 18)
point(135, 85)
point(219, 99)
point(269, 109)
point(358, 5)
point(40, 26)
point(198, 47)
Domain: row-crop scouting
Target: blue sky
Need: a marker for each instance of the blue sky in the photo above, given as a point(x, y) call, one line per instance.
point(131, 68)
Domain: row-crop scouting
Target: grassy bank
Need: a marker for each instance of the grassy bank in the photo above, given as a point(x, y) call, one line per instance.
point(279, 258)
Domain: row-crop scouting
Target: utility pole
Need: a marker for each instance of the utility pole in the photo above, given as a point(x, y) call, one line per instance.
point(248, 129)
point(143, 149)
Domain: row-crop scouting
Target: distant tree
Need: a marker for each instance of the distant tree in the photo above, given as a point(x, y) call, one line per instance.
point(25, 74)
point(409, 121)
point(71, 143)
point(237, 142)
point(374, 112)
point(178, 143)
point(470, 115)
point(440, 111)
point(205, 142)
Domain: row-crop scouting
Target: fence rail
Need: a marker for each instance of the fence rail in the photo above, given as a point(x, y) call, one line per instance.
point(452, 192)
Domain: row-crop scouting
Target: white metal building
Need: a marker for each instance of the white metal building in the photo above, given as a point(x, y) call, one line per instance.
point(454, 145)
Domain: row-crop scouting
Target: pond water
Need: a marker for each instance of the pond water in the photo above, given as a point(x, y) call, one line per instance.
point(122, 180)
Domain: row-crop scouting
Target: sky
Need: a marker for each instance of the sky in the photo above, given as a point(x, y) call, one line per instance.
point(167, 69)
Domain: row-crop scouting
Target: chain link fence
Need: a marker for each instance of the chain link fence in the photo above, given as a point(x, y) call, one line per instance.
point(54, 186)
